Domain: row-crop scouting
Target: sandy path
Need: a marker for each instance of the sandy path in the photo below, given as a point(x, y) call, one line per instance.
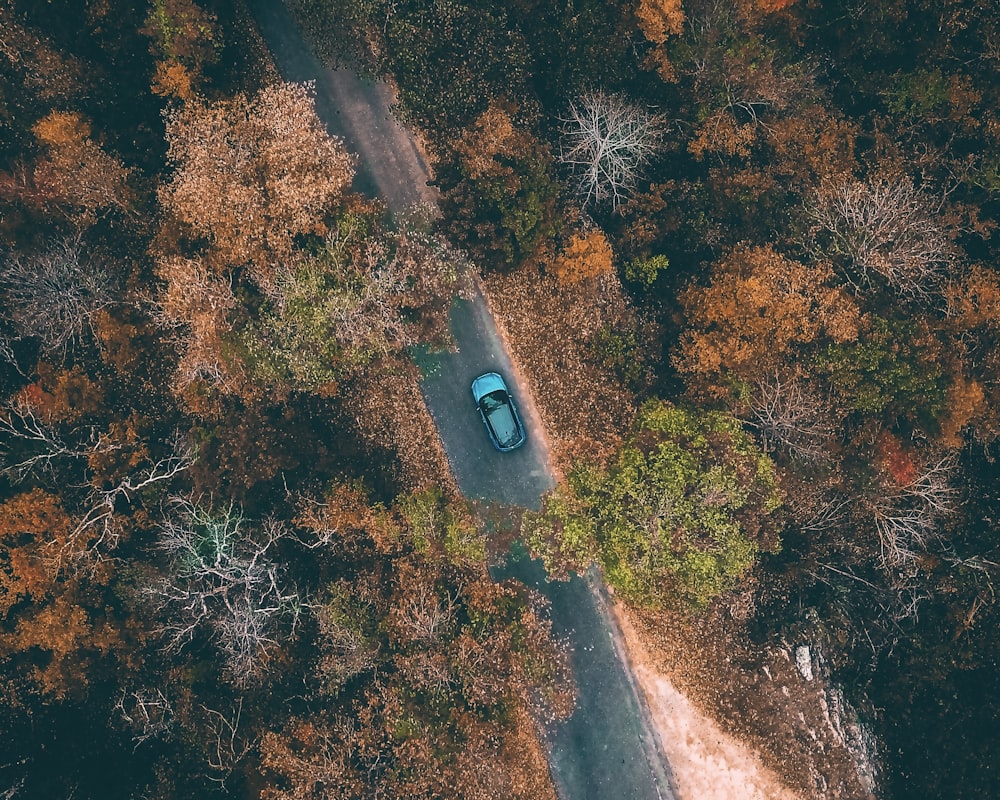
point(706, 762)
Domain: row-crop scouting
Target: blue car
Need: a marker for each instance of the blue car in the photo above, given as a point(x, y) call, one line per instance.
point(497, 409)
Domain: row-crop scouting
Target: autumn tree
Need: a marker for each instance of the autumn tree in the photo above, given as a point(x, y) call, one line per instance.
point(501, 197)
point(29, 522)
point(185, 38)
point(365, 295)
point(883, 229)
point(658, 19)
point(252, 173)
point(76, 170)
point(606, 141)
point(586, 255)
point(223, 582)
point(759, 308)
point(194, 309)
point(46, 608)
point(681, 511)
point(436, 653)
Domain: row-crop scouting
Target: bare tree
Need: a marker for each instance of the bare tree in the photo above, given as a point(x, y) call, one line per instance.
point(885, 227)
point(422, 615)
point(99, 527)
point(606, 141)
point(29, 444)
point(54, 294)
point(146, 712)
point(908, 519)
point(788, 415)
point(223, 581)
point(225, 743)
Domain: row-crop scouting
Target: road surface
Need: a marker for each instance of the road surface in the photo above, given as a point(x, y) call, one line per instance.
point(607, 750)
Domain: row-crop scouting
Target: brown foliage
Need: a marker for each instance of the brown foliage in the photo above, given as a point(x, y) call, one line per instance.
point(660, 18)
point(30, 524)
point(196, 304)
point(63, 395)
point(173, 79)
point(492, 134)
point(52, 627)
point(70, 637)
point(584, 407)
point(251, 173)
point(76, 169)
point(759, 307)
point(586, 255)
point(400, 422)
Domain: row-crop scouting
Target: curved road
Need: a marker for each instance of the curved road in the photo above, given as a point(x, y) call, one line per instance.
point(607, 750)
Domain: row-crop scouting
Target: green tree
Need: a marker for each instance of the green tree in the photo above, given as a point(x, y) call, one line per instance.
point(681, 511)
point(894, 370)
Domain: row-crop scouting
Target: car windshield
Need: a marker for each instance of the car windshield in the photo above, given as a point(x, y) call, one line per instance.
point(493, 401)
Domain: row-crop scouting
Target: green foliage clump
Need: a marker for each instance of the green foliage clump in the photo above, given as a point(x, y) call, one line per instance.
point(917, 95)
point(645, 271)
point(887, 372)
point(509, 214)
point(437, 526)
point(680, 512)
point(295, 343)
point(618, 350)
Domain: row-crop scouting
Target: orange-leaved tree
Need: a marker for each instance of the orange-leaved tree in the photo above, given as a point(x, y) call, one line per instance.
point(252, 173)
point(586, 255)
point(759, 307)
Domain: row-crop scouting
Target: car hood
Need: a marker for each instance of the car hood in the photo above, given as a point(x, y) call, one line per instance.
point(485, 384)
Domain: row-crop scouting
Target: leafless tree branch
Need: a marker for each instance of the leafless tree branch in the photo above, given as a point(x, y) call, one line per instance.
point(885, 227)
point(606, 141)
point(54, 294)
point(147, 712)
point(222, 581)
point(788, 415)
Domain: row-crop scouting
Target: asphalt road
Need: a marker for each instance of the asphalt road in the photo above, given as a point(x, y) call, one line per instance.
point(517, 478)
point(607, 750)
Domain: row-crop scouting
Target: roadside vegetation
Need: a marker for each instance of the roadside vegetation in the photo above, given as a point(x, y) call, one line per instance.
point(231, 563)
point(746, 254)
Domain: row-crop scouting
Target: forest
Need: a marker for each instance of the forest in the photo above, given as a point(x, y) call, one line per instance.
point(772, 387)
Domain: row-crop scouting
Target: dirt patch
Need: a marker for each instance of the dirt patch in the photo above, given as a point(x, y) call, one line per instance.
point(707, 762)
point(747, 711)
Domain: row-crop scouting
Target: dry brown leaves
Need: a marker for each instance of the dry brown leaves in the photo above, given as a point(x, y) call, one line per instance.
point(400, 422)
point(757, 695)
point(585, 410)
